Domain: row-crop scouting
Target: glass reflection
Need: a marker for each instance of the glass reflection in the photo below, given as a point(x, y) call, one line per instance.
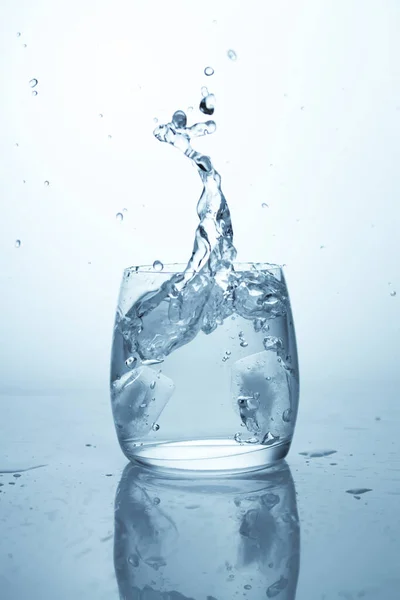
point(208, 539)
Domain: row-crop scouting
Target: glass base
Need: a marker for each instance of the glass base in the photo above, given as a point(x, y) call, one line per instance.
point(208, 455)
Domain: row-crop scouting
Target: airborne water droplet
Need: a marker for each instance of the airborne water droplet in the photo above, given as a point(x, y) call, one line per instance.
point(155, 120)
point(47, 183)
point(18, 243)
point(119, 216)
point(33, 83)
point(179, 119)
point(204, 91)
point(232, 55)
point(157, 265)
point(208, 71)
point(34, 93)
point(207, 104)
point(18, 34)
point(264, 205)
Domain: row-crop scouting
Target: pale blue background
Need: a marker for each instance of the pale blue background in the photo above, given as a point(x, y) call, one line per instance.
point(333, 180)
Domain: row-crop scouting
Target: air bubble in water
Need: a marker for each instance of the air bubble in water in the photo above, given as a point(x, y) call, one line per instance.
point(228, 352)
point(133, 560)
point(264, 205)
point(129, 361)
point(179, 119)
point(47, 183)
point(208, 71)
point(152, 385)
point(33, 83)
point(232, 55)
point(18, 243)
point(157, 265)
point(155, 427)
point(109, 136)
point(34, 93)
point(394, 293)
point(119, 216)
point(287, 415)
point(247, 587)
point(244, 344)
point(156, 501)
point(124, 210)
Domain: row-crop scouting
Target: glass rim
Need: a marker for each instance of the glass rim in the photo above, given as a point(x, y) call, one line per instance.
point(173, 268)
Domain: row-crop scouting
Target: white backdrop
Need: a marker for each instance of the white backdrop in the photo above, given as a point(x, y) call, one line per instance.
point(308, 122)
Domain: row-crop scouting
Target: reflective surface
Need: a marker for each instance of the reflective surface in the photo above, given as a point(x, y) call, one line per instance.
point(59, 530)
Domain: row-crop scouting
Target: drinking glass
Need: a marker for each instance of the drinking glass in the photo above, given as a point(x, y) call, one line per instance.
point(216, 538)
point(207, 383)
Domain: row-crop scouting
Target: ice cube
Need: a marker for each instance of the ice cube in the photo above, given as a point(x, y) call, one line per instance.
point(136, 405)
point(261, 401)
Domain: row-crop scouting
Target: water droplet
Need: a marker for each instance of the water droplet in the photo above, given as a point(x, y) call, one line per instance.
point(268, 378)
point(358, 491)
point(101, 115)
point(33, 83)
point(47, 183)
point(393, 293)
point(232, 55)
point(207, 105)
point(155, 427)
point(18, 243)
point(143, 405)
point(156, 501)
point(16, 475)
point(190, 108)
point(152, 385)
point(155, 120)
point(318, 453)
point(228, 352)
point(247, 586)
point(244, 344)
point(204, 91)
point(208, 71)
point(179, 119)
point(129, 361)
point(157, 265)
point(18, 34)
point(231, 577)
point(124, 210)
point(287, 415)
point(34, 93)
point(264, 205)
point(322, 247)
point(109, 136)
point(119, 216)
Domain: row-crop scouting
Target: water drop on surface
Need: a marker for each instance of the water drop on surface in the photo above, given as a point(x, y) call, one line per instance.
point(155, 427)
point(34, 93)
point(393, 293)
point(33, 83)
point(119, 216)
point(208, 71)
point(232, 54)
point(247, 587)
point(264, 205)
point(18, 243)
point(47, 183)
point(244, 344)
point(157, 265)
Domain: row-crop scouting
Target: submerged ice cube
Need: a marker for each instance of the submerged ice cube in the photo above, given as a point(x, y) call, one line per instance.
point(261, 393)
point(137, 404)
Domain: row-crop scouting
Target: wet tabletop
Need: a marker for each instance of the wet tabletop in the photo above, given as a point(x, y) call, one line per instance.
point(325, 526)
